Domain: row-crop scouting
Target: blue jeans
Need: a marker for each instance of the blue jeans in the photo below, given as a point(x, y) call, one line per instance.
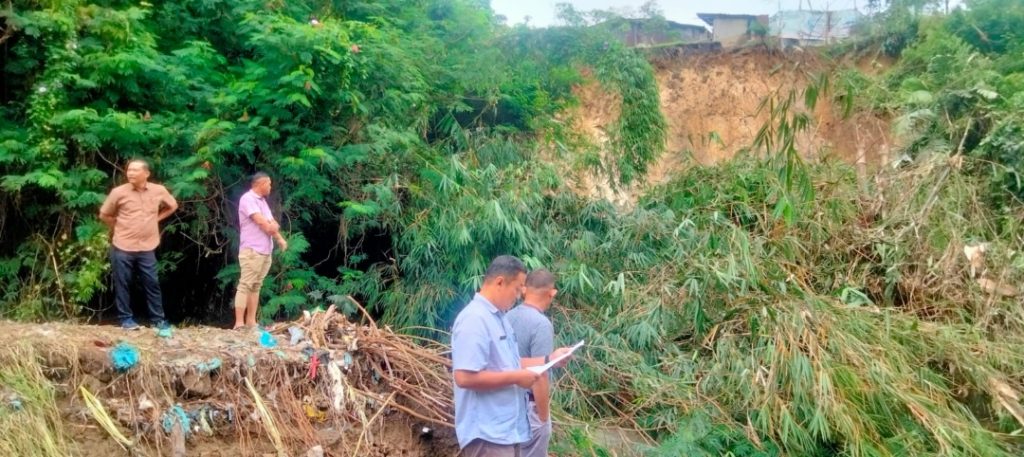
point(126, 266)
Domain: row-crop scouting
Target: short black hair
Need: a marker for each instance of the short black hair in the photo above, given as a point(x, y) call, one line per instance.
point(540, 278)
point(505, 266)
point(143, 162)
point(256, 177)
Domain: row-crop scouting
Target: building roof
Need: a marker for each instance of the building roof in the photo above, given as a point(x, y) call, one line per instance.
point(680, 25)
point(710, 17)
point(814, 25)
point(670, 23)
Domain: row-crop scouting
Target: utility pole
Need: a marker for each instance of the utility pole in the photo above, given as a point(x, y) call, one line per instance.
point(828, 22)
point(828, 26)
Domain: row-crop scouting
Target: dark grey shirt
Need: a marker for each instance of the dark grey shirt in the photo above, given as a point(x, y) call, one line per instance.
point(534, 331)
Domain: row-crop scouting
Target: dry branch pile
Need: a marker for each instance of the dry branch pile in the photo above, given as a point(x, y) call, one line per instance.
point(386, 363)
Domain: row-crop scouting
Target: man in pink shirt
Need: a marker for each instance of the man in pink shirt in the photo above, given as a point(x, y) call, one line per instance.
point(133, 212)
point(257, 232)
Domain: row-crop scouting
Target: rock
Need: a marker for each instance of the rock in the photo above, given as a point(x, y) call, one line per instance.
point(196, 384)
point(92, 384)
point(145, 404)
point(96, 362)
point(329, 436)
point(178, 442)
point(315, 451)
point(976, 257)
point(997, 288)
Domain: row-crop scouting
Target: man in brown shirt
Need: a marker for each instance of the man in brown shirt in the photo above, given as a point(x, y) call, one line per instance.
point(133, 211)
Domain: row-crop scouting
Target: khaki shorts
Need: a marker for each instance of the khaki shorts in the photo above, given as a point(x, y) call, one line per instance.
point(255, 267)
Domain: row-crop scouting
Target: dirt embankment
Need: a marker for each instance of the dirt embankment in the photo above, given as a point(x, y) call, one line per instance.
point(320, 386)
point(711, 104)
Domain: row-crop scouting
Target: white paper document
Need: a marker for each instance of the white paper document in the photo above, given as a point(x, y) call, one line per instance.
point(542, 368)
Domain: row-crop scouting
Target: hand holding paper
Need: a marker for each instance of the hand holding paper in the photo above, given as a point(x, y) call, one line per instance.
point(555, 361)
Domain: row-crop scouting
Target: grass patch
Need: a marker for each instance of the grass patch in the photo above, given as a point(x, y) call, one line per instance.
point(29, 420)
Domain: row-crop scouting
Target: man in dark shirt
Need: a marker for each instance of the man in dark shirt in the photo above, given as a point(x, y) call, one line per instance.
point(536, 337)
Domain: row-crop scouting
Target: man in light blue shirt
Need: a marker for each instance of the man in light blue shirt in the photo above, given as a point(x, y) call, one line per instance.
point(490, 381)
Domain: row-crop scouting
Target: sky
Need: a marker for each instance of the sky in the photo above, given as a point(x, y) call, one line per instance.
point(542, 12)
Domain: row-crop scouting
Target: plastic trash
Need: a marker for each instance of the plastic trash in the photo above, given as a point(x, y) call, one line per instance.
point(208, 366)
point(164, 332)
point(124, 356)
point(307, 352)
point(296, 335)
point(202, 417)
point(13, 402)
point(314, 363)
point(337, 385)
point(176, 416)
point(313, 412)
point(267, 340)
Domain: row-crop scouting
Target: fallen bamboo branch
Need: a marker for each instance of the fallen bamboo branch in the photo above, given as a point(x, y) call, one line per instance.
point(366, 426)
point(266, 419)
point(411, 412)
point(100, 414)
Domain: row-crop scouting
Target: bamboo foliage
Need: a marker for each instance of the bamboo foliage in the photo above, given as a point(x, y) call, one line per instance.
point(740, 323)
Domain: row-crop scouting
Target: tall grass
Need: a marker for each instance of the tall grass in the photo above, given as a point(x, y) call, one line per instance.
point(30, 423)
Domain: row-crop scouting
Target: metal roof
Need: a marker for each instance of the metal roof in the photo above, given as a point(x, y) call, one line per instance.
point(710, 17)
point(813, 25)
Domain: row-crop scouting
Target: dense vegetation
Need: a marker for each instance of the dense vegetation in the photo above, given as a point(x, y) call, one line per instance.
point(364, 112)
point(761, 307)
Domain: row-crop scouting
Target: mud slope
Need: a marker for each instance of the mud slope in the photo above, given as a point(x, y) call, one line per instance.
point(710, 101)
